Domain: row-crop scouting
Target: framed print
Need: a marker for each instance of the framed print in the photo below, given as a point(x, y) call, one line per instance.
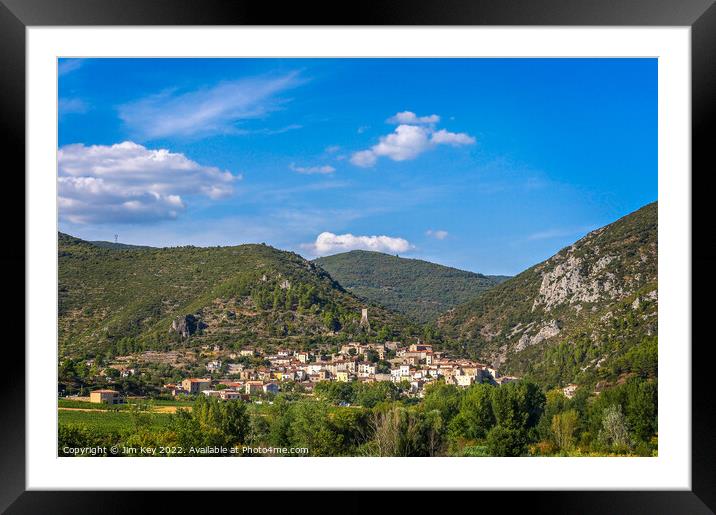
point(432, 247)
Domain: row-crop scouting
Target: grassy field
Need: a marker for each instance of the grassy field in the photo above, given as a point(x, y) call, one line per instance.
point(118, 421)
point(85, 404)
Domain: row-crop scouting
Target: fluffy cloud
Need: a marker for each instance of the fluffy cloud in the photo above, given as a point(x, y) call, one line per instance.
point(207, 111)
point(310, 170)
point(329, 243)
point(409, 140)
point(129, 183)
point(438, 235)
point(443, 137)
point(412, 119)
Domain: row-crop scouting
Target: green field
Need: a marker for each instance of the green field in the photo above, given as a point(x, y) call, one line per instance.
point(110, 421)
point(72, 403)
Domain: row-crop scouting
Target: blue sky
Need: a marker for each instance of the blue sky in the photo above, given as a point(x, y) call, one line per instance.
point(490, 165)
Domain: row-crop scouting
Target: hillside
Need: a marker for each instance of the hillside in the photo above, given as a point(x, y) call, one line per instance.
point(416, 288)
point(114, 300)
point(587, 313)
point(118, 246)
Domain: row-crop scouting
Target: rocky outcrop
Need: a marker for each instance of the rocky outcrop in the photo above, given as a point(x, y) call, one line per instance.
point(548, 330)
point(187, 326)
point(569, 282)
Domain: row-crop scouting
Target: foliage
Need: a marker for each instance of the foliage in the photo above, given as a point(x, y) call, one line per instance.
point(419, 289)
point(116, 300)
point(564, 426)
point(211, 422)
point(477, 421)
point(614, 430)
point(518, 405)
point(476, 417)
point(506, 441)
point(443, 398)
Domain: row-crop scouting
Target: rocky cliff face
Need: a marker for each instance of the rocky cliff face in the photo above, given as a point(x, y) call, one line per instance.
point(574, 296)
point(574, 282)
point(187, 325)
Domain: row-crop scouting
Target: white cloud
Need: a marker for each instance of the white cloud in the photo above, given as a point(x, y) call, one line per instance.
point(129, 183)
point(271, 132)
point(409, 140)
point(309, 170)
point(411, 118)
point(438, 235)
point(364, 158)
point(330, 243)
point(443, 137)
point(206, 111)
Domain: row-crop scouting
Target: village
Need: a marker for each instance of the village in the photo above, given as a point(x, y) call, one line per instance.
point(415, 366)
point(253, 372)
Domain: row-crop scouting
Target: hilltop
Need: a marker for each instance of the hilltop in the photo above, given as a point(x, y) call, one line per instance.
point(588, 312)
point(115, 300)
point(416, 288)
point(118, 246)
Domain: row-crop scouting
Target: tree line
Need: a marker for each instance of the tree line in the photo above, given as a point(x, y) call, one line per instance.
point(354, 419)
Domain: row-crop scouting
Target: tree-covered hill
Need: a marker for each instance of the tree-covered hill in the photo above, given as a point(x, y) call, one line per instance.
point(419, 289)
point(587, 313)
point(116, 300)
point(118, 246)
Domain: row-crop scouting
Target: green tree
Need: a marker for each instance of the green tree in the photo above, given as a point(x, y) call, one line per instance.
point(211, 422)
point(444, 398)
point(641, 408)
point(506, 441)
point(564, 426)
point(518, 405)
point(555, 403)
point(330, 321)
point(279, 419)
point(370, 394)
point(475, 418)
point(311, 427)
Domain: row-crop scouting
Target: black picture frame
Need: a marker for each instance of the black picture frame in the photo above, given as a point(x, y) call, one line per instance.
point(700, 15)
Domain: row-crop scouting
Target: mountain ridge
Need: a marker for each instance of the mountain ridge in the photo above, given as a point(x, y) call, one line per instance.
point(417, 288)
point(592, 301)
point(246, 294)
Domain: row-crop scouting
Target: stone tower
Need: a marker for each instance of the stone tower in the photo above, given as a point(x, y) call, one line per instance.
point(364, 319)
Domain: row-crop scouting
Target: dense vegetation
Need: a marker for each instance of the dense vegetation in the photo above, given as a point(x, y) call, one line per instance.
point(517, 419)
point(114, 300)
point(419, 289)
point(589, 313)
